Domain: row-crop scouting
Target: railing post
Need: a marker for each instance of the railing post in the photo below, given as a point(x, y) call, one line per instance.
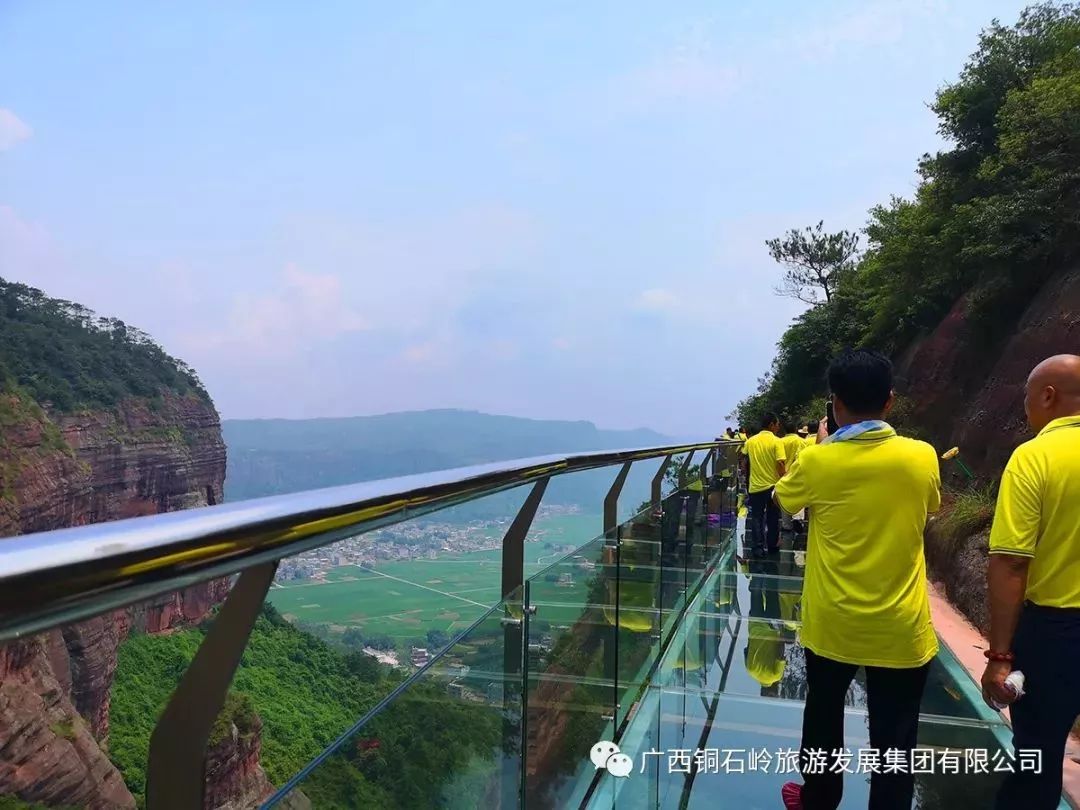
point(685, 466)
point(175, 775)
point(658, 482)
point(611, 502)
point(516, 648)
point(611, 637)
point(513, 544)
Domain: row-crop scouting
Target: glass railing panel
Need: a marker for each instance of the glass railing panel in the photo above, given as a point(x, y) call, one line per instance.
point(570, 668)
point(638, 611)
point(673, 557)
point(450, 738)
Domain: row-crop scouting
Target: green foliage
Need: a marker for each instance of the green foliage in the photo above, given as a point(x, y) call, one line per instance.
point(61, 353)
point(972, 511)
point(306, 693)
point(993, 217)
point(238, 711)
point(13, 803)
point(815, 261)
point(64, 728)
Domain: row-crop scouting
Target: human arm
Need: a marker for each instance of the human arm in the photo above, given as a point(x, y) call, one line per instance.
point(1013, 539)
point(792, 491)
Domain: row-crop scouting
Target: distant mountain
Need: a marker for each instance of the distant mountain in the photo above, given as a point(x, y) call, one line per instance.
point(272, 456)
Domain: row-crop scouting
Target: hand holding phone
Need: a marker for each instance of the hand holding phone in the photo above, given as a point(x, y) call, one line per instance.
point(830, 417)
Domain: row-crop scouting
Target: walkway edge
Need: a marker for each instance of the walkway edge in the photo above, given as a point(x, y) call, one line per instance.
point(967, 644)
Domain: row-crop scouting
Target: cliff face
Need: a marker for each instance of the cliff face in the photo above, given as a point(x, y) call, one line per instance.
point(67, 470)
point(234, 778)
point(47, 752)
point(968, 389)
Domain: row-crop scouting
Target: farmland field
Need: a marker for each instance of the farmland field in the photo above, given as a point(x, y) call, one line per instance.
point(406, 598)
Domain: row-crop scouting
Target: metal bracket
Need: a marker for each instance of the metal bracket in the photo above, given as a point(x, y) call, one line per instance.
point(685, 466)
point(611, 501)
point(658, 482)
point(175, 775)
point(513, 544)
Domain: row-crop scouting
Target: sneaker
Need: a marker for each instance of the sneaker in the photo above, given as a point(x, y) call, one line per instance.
point(791, 794)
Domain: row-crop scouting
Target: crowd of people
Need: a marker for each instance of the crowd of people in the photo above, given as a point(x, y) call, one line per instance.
point(858, 496)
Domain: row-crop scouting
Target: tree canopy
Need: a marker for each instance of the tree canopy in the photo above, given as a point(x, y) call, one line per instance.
point(814, 260)
point(993, 217)
point(61, 353)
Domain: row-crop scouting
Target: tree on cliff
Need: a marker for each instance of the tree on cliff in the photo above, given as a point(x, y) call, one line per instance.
point(60, 353)
point(814, 261)
point(993, 217)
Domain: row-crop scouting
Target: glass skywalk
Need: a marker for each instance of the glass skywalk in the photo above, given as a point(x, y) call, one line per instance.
point(664, 640)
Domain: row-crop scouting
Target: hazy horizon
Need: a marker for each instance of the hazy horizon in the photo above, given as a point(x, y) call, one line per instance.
point(551, 213)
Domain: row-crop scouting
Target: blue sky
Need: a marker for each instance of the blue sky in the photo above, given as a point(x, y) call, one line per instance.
point(555, 211)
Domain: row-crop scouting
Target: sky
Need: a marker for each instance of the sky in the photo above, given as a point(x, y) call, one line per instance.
point(554, 210)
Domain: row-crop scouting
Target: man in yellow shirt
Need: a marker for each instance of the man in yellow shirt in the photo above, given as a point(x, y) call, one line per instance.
point(811, 433)
point(1034, 582)
point(766, 454)
point(793, 445)
point(865, 601)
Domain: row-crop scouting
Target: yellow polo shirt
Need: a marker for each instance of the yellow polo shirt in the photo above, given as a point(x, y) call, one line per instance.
point(865, 599)
point(1038, 513)
point(764, 450)
point(793, 445)
point(811, 439)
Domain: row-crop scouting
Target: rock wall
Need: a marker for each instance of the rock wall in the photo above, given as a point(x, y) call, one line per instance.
point(234, 778)
point(67, 470)
point(967, 387)
point(47, 752)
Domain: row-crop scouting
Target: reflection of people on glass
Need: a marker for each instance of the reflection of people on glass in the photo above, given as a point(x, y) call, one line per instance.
point(635, 586)
point(764, 653)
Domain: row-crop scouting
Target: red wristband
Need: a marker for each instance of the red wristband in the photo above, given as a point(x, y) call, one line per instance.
point(998, 656)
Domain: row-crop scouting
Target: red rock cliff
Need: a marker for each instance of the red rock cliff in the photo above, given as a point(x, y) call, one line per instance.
point(67, 470)
point(968, 388)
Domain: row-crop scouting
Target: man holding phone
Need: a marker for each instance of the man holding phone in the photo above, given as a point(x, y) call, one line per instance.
point(865, 600)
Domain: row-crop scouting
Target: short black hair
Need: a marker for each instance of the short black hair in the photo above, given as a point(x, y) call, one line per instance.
point(789, 426)
point(767, 419)
point(862, 379)
point(812, 426)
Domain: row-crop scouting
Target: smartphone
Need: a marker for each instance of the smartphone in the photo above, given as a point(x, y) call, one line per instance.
point(830, 418)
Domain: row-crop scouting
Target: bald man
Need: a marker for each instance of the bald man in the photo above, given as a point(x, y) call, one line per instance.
point(1034, 583)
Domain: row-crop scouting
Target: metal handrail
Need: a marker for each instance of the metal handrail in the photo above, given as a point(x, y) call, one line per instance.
point(50, 578)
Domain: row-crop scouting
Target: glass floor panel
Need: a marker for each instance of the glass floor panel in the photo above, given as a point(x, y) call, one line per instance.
point(733, 680)
point(754, 740)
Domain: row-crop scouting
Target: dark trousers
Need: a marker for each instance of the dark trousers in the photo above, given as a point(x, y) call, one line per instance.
point(893, 697)
point(1047, 650)
point(764, 521)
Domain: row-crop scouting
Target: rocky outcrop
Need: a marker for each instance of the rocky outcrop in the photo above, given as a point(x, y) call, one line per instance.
point(91, 661)
point(70, 469)
point(180, 609)
point(966, 384)
point(958, 562)
point(234, 778)
point(47, 753)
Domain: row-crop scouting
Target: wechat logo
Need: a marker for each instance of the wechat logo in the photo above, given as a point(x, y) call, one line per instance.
point(606, 754)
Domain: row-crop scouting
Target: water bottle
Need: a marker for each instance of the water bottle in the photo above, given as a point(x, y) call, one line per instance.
point(1015, 683)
